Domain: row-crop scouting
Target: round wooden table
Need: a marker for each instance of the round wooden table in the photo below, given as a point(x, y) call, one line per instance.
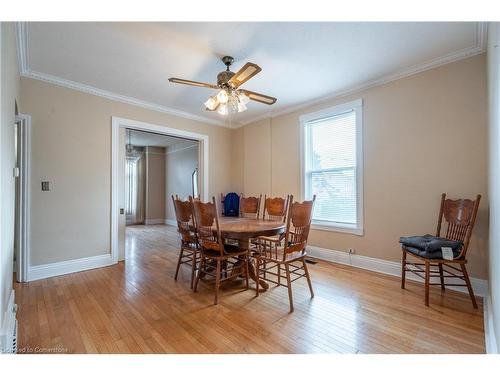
point(243, 229)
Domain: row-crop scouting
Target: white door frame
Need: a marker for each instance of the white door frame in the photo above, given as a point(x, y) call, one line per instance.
point(116, 124)
point(23, 215)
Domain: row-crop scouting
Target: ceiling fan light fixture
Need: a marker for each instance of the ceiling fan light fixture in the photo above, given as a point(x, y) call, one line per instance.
point(242, 107)
point(242, 98)
point(222, 96)
point(223, 110)
point(211, 103)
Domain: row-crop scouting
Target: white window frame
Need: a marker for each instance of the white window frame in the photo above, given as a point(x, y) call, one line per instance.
point(357, 107)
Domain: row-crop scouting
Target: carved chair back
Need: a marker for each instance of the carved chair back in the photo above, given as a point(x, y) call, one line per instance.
point(207, 225)
point(275, 208)
point(298, 225)
point(185, 220)
point(250, 207)
point(460, 217)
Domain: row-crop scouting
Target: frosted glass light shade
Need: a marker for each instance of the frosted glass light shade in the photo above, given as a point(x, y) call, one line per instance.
point(211, 103)
point(243, 98)
point(242, 107)
point(222, 96)
point(223, 110)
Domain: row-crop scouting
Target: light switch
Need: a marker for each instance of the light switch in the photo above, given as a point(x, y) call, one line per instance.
point(45, 186)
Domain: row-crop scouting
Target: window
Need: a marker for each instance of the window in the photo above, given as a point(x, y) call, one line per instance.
point(332, 166)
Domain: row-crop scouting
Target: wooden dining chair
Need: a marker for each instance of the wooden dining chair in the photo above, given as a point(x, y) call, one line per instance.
point(460, 216)
point(189, 250)
point(250, 206)
point(271, 256)
point(275, 209)
point(227, 257)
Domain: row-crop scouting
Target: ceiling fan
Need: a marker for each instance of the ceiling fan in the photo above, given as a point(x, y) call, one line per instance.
point(230, 98)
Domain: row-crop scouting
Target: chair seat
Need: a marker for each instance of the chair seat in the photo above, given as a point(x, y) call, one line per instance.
point(271, 238)
point(435, 254)
point(229, 250)
point(429, 243)
point(277, 256)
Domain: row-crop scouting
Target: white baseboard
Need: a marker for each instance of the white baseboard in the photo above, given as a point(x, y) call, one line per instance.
point(480, 286)
point(8, 326)
point(489, 329)
point(69, 266)
point(154, 221)
point(170, 222)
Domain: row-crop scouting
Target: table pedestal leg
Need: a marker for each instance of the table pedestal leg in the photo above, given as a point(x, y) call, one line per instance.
point(245, 244)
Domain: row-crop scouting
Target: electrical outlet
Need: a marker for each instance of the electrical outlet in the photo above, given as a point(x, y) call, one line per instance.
point(352, 251)
point(45, 186)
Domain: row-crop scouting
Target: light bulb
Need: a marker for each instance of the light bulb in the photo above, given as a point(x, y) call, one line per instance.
point(223, 109)
point(244, 99)
point(211, 103)
point(242, 107)
point(222, 96)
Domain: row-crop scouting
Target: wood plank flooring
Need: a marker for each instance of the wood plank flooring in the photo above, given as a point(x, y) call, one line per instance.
point(137, 307)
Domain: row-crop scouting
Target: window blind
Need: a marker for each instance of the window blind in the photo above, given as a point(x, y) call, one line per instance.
point(331, 167)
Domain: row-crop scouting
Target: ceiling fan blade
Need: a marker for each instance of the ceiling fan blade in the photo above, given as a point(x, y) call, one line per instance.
point(260, 97)
point(192, 83)
point(244, 74)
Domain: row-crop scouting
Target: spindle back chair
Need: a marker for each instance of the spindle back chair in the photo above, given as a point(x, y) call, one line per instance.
point(189, 249)
point(250, 206)
point(275, 208)
point(231, 261)
point(459, 217)
point(270, 255)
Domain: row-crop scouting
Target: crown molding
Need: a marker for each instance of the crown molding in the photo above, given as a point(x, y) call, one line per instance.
point(25, 71)
point(478, 48)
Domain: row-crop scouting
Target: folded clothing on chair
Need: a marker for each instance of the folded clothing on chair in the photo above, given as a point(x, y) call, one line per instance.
point(430, 246)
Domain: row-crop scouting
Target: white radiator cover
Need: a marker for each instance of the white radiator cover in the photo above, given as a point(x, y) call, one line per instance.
point(8, 332)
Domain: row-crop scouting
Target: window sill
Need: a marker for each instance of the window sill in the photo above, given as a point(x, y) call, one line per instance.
point(338, 228)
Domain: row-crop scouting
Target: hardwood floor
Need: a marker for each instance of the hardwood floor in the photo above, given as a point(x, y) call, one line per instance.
point(137, 307)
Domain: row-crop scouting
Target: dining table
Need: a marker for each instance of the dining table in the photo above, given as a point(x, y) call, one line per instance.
point(243, 229)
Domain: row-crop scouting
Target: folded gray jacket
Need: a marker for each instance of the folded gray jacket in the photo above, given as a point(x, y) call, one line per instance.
point(430, 243)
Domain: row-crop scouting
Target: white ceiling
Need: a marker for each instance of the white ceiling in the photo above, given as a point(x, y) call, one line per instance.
point(140, 138)
point(301, 62)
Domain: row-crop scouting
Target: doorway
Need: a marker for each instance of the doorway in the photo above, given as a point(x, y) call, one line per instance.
point(137, 149)
point(21, 213)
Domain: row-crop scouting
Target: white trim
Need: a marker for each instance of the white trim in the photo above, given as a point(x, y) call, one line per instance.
point(8, 324)
point(337, 227)
point(180, 149)
point(116, 124)
point(22, 46)
point(25, 71)
point(25, 191)
point(357, 107)
point(154, 221)
point(117, 97)
point(387, 267)
point(69, 266)
point(489, 329)
point(146, 200)
point(478, 48)
point(170, 222)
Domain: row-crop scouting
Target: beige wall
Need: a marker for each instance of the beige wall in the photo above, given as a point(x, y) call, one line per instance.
point(9, 93)
point(180, 164)
point(423, 135)
point(494, 176)
point(71, 148)
point(257, 156)
point(155, 184)
point(238, 157)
